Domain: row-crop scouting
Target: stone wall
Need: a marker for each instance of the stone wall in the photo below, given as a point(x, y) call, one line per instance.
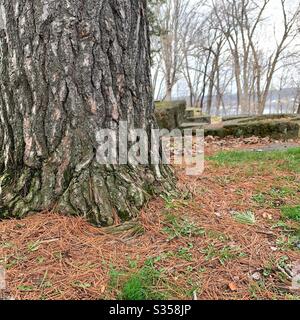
point(276, 126)
point(170, 115)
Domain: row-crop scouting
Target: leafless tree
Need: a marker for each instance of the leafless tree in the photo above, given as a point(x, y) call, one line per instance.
point(171, 18)
point(218, 45)
point(288, 36)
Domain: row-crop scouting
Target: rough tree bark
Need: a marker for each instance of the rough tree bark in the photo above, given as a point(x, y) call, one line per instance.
point(68, 69)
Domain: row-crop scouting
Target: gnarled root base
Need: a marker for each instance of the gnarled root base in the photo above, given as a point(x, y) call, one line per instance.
point(103, 195)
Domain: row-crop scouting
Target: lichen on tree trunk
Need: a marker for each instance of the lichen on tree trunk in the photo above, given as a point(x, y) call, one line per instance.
point(67, 70)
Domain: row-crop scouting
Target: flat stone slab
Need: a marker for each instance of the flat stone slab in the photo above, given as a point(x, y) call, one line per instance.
point(193, 125)
point(247, 118)
point(274, 126)
point(193, 112)
point(204, 119)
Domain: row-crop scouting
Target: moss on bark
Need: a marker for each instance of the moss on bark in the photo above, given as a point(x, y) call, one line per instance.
point(97, 193)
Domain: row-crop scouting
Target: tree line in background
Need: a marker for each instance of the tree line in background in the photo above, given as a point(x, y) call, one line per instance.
point(228, 54)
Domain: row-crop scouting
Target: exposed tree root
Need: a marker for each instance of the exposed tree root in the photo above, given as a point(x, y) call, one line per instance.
point(104, 195)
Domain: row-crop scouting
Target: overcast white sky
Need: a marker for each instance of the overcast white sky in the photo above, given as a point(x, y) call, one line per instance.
point(275, 19)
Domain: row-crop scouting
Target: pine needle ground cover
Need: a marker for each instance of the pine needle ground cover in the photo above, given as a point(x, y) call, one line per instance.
point(233, 233)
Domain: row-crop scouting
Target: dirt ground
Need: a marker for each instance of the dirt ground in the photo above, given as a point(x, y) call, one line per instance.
point(188, 246)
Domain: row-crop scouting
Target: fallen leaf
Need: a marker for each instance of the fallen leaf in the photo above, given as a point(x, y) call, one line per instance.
point(102, 289)
point(232, 286)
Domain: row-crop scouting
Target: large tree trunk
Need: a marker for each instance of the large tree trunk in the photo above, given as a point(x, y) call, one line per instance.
point(68, 69)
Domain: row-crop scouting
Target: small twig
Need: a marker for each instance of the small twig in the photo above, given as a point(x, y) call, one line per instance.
point(284, 272)
point(195, 295)
point(50, 240)
point(269, 233)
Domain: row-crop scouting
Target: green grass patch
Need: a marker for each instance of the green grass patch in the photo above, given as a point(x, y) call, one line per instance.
point(289, 159)
point(259, 198)
point(223, 254)
point(281, 192)
point(25, 288)
point(275, 197)
point(140, 284)
point(290, 235)
point(292, 213)
point(217, 235)
point(289, 242)
point(184, 252)
point(181, 227)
